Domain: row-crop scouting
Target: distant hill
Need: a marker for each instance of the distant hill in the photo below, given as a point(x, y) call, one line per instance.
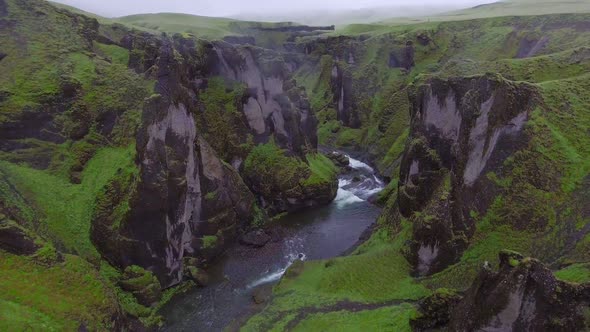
point(212, 27)
point(501, 8)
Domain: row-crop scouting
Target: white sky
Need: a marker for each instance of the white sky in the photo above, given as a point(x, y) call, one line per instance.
point(113, 8)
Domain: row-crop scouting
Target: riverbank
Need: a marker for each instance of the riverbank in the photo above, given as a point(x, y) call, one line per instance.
point(245, 272)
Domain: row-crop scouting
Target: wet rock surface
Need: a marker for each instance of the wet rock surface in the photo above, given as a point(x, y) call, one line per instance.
point(340, 159)
point(257, 238)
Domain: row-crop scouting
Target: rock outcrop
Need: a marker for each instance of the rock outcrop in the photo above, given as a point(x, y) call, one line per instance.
point(273, 104)
point(461, 129)
point(341, 84)
point(523, 295)
point(185, 201)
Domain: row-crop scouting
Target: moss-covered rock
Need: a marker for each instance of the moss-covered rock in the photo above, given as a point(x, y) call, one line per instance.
point(287, 184)
point(435, 310)
point(143, 284)
point(522, 295)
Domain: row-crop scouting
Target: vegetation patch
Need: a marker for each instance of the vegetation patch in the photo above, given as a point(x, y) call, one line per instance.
point(60, 297)
point(67, 208)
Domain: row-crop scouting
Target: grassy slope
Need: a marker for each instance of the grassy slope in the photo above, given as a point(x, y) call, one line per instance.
point(59, 298)
point(68, 207)
point(44, 52)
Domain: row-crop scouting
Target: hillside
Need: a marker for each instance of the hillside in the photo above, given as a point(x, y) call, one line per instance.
point(136, 167)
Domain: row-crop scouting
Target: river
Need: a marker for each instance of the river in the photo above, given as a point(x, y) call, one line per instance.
point(316, 234)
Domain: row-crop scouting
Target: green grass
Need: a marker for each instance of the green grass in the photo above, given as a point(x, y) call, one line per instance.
point(115, 53)
point(67, 208)
point(395, 318)
point(567, 119)
point(201, 26)
point(16, 317)
point(377, 272)
point(56, 298)
point(322, 168)
point(579, 273)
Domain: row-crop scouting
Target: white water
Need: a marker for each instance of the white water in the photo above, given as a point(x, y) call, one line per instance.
point(348, 193)
point(357, 164)
point(293, 248)
point(345, 197)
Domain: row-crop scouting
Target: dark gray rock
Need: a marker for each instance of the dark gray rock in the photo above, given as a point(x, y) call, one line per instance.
point(256, 238)
point(340, 159)
point(16, 239)
point(523, 295)
point(455, 135)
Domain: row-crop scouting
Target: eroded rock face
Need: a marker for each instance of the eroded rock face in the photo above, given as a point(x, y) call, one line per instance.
point(403, 58)
point(523, 295)
point(341, 84)
point(461, 129)
point(185, 202)
point(273, 106)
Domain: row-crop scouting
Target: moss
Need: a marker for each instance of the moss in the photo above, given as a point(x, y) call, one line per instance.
point(47, 254)
point(259, 218)
point(67, 208)
point(273, 171)
point(115, 53)
point(322, 168)
point(58, 298)
point(221, 120)
point(209, 241)
point(579, 273)
point(348, 137)
point(211, 195)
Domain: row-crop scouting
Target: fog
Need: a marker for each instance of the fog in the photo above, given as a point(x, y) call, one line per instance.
point(274, 9)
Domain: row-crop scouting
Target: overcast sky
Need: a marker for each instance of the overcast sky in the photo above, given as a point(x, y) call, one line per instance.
point(114, 8)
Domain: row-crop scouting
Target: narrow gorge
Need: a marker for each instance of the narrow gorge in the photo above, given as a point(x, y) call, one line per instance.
point(169, 172)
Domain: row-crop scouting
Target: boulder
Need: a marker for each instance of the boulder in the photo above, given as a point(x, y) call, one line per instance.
point(256, 238)
point(262, 294)
point(199, 276)
point(435, 310)
point(340, 159)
